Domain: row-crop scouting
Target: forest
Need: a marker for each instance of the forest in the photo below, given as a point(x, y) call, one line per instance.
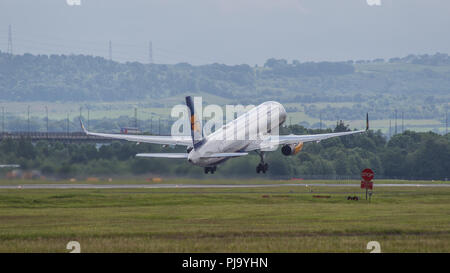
point(408, 155)
point(418, 85)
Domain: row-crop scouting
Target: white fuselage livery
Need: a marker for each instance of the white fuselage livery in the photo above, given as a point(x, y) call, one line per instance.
point(245, 133)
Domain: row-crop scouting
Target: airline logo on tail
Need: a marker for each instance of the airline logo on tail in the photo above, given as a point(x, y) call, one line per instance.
point(195, 124)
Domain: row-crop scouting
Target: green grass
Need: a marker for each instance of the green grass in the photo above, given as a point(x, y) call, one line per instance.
point(284, 219)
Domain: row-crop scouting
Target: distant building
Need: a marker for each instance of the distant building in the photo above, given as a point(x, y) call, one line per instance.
point(130, 130)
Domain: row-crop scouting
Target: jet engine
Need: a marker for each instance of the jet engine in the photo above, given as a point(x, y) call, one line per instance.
point(291, 149)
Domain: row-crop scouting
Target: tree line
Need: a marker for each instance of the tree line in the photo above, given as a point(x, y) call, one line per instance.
point(410, 155)
point(416, 84)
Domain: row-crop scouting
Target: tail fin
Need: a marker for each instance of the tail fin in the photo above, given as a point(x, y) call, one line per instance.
point(367, 121)
point(196, 124)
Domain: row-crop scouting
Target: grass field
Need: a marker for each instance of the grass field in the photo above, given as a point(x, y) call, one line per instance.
point(282, 219)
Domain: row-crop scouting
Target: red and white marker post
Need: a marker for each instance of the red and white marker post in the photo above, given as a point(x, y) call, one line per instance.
point(367, 176)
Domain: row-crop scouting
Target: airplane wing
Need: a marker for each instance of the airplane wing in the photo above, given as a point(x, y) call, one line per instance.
point(224, 155)
point(185, 155)
point(165, 140)
point(163, 155)
point(294, 139)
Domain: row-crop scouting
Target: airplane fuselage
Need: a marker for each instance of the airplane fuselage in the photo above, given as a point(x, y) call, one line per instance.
point(244, 133)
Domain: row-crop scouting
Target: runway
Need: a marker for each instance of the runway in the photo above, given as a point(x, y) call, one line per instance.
point(198, 186)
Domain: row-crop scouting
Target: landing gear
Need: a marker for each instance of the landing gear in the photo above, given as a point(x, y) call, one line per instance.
point(262, 166)
point(210, 169)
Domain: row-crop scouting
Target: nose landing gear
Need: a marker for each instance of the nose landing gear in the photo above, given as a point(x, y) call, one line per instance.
point(262, 166)
point(210, 169)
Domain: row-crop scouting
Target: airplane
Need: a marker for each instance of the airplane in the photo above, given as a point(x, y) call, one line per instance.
point(213, 149)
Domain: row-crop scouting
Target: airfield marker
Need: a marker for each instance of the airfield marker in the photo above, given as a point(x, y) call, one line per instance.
point(367, 175)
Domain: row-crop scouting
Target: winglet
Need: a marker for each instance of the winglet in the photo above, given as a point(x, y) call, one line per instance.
point(82, 127)
point(367, 121)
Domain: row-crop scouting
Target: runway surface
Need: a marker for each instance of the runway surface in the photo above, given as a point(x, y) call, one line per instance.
point(198, 186)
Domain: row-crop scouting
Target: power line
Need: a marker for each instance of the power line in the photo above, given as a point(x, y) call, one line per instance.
point(68, 123)
point(150, 52)
point(403, 124)
point(123, 53)
point(3, 119)
point(446, 120)
point(28, 114)
point(91, 47)
point(390, 129)
point(395, 131)
point(135, 118)
point(320, 123)
point(46, 118)
point(10, 47)
point(110, 51)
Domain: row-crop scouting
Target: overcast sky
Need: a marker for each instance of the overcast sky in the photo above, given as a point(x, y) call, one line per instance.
point(228, 31)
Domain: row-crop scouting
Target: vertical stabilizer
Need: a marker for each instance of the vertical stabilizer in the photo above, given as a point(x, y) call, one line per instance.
point(196, 124)
point(367, 121)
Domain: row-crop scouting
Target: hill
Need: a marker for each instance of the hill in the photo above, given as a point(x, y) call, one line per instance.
point(419, 86)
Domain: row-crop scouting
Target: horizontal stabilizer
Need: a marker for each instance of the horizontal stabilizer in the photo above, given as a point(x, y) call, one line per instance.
point(225, 155)
point(164, 155)
point(10, 166)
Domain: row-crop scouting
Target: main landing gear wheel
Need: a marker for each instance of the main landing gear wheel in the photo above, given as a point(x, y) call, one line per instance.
point(262, 166)
point(210, 169)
